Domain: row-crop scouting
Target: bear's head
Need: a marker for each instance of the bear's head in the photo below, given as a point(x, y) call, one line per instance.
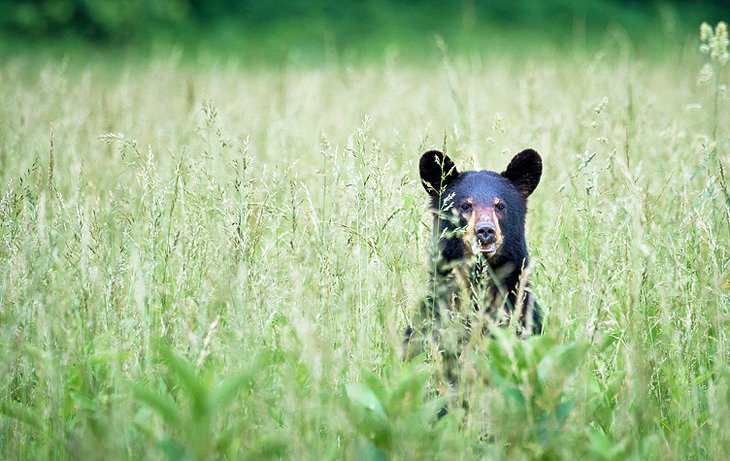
point(481, 213)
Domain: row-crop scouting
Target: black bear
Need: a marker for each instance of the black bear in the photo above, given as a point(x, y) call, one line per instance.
point(481, 260)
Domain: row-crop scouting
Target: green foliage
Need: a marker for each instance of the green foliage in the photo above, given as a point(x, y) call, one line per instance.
point(94, 19)
point(218, 261)
point(193, 411)
point(394, 419)
point(533, 378)
point(316, 30)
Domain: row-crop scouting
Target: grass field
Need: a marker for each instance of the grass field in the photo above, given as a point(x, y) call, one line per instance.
point(205, 261)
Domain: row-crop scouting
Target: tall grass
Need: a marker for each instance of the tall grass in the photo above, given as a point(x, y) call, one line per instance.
point(212, 261)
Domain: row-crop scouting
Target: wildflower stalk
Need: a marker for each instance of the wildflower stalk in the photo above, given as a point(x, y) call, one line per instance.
point(715, 44)
point(50, 160)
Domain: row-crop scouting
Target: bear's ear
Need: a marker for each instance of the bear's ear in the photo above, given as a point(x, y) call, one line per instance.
point(437, 171)
point(524, 171)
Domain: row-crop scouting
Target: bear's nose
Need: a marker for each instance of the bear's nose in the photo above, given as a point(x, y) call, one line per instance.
point(486, 233)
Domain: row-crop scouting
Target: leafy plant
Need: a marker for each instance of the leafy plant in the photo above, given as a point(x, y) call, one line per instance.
point(193, 409)
point(532, 394)
point(394, 418)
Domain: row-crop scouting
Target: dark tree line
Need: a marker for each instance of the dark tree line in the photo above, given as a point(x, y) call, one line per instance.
point(99, 20)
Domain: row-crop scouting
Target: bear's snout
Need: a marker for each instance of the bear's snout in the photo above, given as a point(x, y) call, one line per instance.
point(486, 233)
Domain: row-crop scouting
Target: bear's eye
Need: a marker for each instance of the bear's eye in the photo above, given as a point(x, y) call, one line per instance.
point(465, 207)
point(500, 206)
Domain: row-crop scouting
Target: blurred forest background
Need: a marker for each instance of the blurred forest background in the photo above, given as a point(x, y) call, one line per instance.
point(350, 29)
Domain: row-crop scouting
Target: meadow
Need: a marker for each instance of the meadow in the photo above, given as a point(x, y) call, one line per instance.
point(212, 260)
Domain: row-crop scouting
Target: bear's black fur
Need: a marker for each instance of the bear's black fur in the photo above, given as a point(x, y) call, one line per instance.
point(480, 270)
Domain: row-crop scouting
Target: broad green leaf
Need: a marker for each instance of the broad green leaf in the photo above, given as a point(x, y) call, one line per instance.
point(165, 407)
point(226, 391)
point(21, 413)
point(562, 359)
point(363, 396)
point(365, 450)
point(409, 392)
point(377, 386)
point(368, 415)
point(603, 447)
point(189, 379)
point(564, 409)
point(172, 450)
